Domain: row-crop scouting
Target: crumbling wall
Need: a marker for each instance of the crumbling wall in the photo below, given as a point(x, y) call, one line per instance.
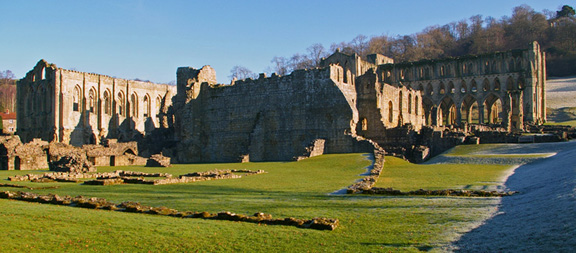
point(79, 108)
point(268, 119)
point(14, 155)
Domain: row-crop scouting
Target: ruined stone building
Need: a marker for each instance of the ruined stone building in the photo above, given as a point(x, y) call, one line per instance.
point(505, 88)
point(77, 108)
point(348, 104)
point(349, 99)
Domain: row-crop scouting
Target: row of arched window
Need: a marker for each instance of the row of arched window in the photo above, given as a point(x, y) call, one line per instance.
point(107, 102)
point(401, 108)
point(472, 88)
point(466, 69)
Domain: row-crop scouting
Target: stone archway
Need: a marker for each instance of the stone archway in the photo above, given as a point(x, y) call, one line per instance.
point(493, 109)
point(428, 108)
point(469, 110)
point(446, 112)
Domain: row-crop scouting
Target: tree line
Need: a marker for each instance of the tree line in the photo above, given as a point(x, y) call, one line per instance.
point(7, 91)
point(554, 30)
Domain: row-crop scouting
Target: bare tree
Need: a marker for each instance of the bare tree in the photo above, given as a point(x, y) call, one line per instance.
point(241, 72)
point(315, 53)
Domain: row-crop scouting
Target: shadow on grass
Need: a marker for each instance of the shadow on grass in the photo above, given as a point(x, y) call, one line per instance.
point(541, 217)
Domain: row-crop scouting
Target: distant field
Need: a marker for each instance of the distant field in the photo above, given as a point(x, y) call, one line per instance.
point(289, 189)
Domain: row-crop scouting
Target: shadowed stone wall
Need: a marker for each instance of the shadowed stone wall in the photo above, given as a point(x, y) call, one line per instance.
point(272, 118)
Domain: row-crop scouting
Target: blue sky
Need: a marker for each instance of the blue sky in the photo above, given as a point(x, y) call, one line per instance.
point(150, 39)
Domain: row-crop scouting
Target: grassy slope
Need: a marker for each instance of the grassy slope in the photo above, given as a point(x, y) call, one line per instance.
point(368, 223)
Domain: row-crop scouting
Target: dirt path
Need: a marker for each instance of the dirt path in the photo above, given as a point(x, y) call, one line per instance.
point(542, 217)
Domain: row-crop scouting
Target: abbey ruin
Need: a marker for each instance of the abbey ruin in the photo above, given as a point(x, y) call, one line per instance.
point(79, 108)
point(348, 104)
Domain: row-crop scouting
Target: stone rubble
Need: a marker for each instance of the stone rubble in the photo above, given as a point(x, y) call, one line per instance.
point(318, 223)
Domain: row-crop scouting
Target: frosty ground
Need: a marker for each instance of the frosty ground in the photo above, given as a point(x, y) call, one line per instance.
point(542, 217)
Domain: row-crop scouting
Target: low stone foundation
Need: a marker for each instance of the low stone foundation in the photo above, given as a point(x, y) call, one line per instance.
point(133, 207)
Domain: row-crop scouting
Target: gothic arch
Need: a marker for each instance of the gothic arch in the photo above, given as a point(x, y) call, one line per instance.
point(473, 86)
point(146, 104)
point(469, 110)
point(92, 100)
point(121, 109)
point(442, 89)
point(134, 105)
point(510, 84)
point(493, 110)
point(107, 102)
point(463, 87)
point(486, 85)
point(76, 98)
point(429, 89)
point(451, 88)
point(409, 103)
point(521, 83)
point(497, 85)
point(427, 108)
point(390, 112)
point(447, 112)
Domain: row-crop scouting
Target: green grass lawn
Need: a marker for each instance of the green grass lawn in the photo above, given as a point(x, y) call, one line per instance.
point(289, 189)
point(405, 176)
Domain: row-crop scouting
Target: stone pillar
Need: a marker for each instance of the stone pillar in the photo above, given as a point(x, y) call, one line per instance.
point(507, 108)
point(434, 116)
point(459, 114)
point(480, 113)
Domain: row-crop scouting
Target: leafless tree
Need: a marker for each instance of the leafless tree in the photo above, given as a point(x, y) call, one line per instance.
point(241, 72)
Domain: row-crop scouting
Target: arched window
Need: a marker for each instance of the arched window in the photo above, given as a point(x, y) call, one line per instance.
point(92, 100)
point(146, 106)
point(442, 71)
point(76, 99)
point(473, 87)
point(107, 103)
point(430, 89)
point(416, 111)
point(463, 88)
point(409, 103)
point(134, 105)
point(451, 88)
point(496, 84)
point(158, 105)
point(442, 88)
point(390, 112)
point(510, 84)
point(121, 104)
point(486, 85)
point(521, 83)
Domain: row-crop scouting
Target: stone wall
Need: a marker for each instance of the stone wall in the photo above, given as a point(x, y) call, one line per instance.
point(78, 108)
point(502, 87)
point(14, 155)
point(272, 118)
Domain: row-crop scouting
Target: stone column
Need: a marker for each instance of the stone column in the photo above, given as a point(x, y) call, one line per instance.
point(480, 113)
point(459, 114)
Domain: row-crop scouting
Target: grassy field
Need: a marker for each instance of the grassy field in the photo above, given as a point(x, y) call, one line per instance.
point(289, 189)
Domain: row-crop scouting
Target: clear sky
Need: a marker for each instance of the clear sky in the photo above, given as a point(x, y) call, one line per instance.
point(149, 40)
